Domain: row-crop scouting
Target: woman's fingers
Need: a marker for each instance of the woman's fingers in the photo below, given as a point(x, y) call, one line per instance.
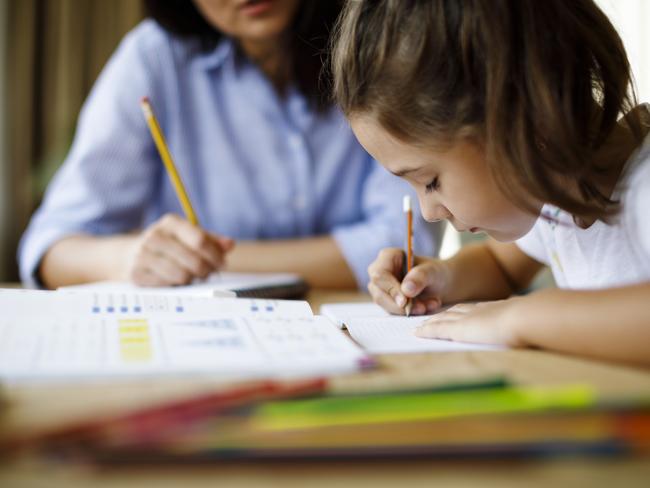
point(153, 269)
point(168, 271)
point(167, 246)
point(172, 252)
point(194, 238)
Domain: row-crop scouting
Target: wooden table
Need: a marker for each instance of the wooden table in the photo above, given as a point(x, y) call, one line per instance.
point(38, 407)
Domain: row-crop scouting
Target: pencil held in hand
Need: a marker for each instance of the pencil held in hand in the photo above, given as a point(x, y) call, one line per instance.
point(161, 145)
point(408, 254)
point(173, 250)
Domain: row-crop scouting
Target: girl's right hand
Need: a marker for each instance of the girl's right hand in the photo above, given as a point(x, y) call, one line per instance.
point(172, 251)
point(425, 283)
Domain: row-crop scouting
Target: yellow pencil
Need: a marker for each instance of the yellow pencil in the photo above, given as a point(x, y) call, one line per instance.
point(166, 156)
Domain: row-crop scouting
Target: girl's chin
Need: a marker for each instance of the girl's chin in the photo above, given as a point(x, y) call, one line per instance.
point(513, 232)
point(504, 236)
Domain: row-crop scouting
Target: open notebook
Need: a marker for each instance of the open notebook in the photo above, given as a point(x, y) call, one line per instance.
point(378, 332)
point(251, 285)
point(63, 336)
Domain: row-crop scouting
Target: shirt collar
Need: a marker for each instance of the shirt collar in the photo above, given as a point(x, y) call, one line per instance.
point(222, 53)
point(226, 54)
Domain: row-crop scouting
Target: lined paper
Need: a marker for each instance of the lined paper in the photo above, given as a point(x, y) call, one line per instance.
point(384, 335)
point(378, 332)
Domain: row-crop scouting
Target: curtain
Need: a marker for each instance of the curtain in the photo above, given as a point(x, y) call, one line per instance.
point(55, 50)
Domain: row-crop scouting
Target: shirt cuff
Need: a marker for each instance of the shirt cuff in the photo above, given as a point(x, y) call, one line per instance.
point(31, 251)
point(360, 244)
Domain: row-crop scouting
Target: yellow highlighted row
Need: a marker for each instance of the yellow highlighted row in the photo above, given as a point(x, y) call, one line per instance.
point(135, 340)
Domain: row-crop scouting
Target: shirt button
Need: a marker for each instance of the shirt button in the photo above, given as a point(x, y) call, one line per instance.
point(295, 141)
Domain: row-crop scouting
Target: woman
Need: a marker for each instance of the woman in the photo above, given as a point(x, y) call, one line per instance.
point(265, 159)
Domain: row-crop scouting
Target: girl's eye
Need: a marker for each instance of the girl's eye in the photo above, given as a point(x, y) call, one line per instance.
point(433, 186)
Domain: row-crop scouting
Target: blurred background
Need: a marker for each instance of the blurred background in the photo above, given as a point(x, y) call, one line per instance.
point(51, 52)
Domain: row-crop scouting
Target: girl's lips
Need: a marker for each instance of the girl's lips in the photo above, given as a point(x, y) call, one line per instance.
point(474, 230)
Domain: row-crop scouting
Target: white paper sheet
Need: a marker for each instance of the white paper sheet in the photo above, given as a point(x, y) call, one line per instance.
point(67, 336)
point(342, 313)
point(383, 335)
point(136, 302)
point(378, 332)
point(217, 284)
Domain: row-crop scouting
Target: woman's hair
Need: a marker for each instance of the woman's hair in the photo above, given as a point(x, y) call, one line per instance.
point(311, 30)
point(540, 84)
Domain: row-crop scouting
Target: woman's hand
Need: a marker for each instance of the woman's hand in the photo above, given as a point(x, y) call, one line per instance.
point(172, 251)
point(425, 283)
point(486, 323)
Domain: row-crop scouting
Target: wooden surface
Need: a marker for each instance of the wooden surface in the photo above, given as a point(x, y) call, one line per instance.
point(46, 406)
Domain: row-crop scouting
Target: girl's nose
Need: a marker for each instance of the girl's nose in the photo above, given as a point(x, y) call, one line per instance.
point(434, 213)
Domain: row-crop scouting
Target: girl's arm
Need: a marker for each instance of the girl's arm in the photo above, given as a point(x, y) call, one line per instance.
point(611, 324)
point(490, 270)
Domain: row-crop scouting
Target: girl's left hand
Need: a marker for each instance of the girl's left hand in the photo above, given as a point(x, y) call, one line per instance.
point(486, 323)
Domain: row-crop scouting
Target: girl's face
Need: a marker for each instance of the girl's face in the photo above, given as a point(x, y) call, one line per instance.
point(249, 20)
point(453, 184)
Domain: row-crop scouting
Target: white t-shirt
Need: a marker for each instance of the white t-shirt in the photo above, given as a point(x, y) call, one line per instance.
point(603, 255)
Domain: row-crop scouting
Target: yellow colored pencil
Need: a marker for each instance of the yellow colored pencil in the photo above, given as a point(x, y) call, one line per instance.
point(166, 157)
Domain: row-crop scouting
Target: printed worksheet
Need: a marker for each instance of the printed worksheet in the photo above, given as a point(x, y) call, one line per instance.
point(46, 335)
point(129, 303)
point(217, 284)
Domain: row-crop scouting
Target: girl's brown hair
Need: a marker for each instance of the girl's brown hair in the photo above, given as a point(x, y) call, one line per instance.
point(540, 83)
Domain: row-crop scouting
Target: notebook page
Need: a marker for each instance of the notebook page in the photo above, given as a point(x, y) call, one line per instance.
point(383, 335)
point(59, 338)
point(217, 284)
point(22, 303)
point(234, 347)
point(134, 302)
point(342, 313)
point(200, 290)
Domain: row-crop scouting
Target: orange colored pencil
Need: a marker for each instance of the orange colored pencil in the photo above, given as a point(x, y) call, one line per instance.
point(409, 246)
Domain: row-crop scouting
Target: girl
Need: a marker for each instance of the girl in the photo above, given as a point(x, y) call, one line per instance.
point(265, 157)
point(514, 118)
